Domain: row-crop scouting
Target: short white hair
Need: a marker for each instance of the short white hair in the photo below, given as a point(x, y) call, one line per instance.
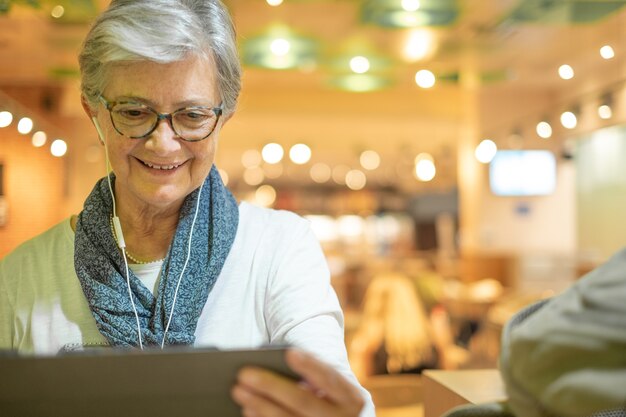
point(161, 31)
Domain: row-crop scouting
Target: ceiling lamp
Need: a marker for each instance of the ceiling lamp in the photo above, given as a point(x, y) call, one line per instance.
point(425, 78)
point(566, 72)
point(409, 13)
point(5, 118)
point(485, 151)
point(39, 139)
point(569, 119)
point(357, 67)
point(300, 154)
point(360, 83)
point(544, 129)
point(58, 148)
point(272, 153)
point(425, 169)
point(280, 48)
point(419, 44)
point(25, 125)
point(320, 172)
point(605, 108)
point(607, 52)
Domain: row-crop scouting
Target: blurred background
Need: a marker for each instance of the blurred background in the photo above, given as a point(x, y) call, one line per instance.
point(458, 159)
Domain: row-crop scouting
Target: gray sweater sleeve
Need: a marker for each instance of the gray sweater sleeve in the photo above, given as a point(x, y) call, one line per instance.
point(568, 357)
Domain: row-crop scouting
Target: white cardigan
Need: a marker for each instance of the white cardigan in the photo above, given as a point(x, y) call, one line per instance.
point(273, 289)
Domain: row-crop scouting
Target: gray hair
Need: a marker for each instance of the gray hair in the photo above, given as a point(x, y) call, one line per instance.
point(162, 31)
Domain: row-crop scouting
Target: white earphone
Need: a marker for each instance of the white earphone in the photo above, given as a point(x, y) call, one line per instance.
point(122, 244)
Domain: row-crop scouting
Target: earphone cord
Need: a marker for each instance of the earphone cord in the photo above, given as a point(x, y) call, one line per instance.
point(118, 231)
point(180, 277)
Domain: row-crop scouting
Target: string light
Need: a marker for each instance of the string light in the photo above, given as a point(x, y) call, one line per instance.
point(566, 72)
point(485, 151)
point(569, 119)
point(544, 130)
point(5, 118)
point(425, 78)
point(272, 153)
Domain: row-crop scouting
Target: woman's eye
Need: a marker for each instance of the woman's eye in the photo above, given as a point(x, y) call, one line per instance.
point(133, 113)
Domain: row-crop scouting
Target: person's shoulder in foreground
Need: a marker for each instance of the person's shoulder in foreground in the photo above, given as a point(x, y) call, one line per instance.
point(568, 358)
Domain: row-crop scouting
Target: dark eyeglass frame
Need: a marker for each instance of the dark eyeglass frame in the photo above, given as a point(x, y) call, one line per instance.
point(160, 116)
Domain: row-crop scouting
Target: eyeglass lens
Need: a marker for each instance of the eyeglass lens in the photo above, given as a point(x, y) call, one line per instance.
point(137, 121)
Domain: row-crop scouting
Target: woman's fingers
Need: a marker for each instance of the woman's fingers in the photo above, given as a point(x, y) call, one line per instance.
point(324, 378)
point(325, 393)
point(268, 390)
point(254, 405)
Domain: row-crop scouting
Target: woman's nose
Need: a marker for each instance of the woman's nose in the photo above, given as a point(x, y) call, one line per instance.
point(163, 139)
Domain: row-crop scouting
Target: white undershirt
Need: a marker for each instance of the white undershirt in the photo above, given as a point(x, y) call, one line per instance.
point(148, 274)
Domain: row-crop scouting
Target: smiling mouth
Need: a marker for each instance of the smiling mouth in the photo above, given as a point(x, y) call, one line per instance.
point(161, 167)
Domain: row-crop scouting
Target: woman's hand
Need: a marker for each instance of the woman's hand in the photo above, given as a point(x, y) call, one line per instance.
point(324, 392)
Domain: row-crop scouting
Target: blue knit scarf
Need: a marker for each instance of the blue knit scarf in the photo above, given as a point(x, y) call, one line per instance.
point(101, 272)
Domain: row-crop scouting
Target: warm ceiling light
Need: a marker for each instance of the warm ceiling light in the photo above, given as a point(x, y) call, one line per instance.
point(369, 160)
point(300, 154)
point(485, 151)
point(410, 5)
point(39, 139)
point(425, 167)
point(25, 125)
point(544, 130)
point(339, 174)
point(566, 72)
point(274, 3)
point(604, 109)
point(425, 79)
point(605, 112)
point(569, 120)
point(280, 47)
point(5, 118)
point(355, 179)
point(359, 64)
point(58, 148)
point(265, 195)
point(272, 153)
point(320, 173)
point(418, 45)
point(57, 11)
point(607, 52)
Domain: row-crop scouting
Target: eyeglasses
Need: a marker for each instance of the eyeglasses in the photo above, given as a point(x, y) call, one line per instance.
point(138, 121)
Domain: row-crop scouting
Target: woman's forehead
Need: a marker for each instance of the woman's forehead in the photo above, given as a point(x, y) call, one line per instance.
point(191, 79)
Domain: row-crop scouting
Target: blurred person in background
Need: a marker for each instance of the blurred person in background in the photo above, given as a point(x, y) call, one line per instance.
point(395, 333)
point(161, 253)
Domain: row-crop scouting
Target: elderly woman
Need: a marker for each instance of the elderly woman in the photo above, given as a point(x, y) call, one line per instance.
point(162, 254)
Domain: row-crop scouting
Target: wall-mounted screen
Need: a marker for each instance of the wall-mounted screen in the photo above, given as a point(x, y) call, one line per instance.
point(522, 173)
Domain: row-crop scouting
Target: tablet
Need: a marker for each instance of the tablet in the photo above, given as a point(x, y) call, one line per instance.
point(174, 382)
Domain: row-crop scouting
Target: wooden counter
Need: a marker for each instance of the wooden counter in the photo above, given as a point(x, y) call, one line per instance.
point(444, 390)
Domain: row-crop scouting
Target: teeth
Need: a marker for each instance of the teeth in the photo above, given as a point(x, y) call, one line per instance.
point(165, 167)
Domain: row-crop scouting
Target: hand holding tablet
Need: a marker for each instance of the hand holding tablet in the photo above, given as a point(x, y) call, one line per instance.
point(322, 391)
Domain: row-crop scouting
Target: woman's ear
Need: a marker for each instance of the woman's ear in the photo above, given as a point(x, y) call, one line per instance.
point(91, 113)
point(88, 110)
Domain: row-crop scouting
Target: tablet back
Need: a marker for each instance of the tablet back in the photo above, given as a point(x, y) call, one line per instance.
point(177, 382)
